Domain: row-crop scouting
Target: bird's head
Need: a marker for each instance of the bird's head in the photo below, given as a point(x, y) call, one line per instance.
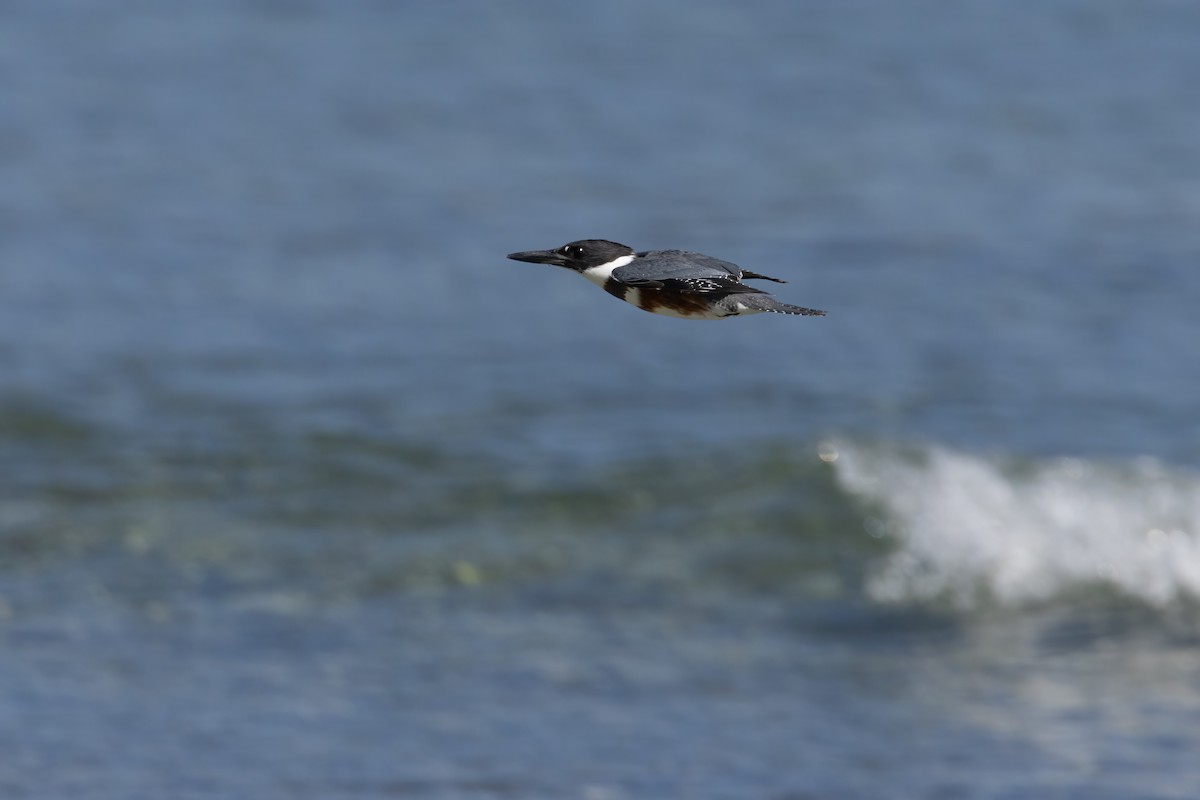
point(579, 256)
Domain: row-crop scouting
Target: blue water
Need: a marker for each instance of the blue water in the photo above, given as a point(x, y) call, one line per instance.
point(306, 491)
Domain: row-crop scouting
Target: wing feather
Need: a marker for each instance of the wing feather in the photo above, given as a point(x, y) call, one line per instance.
point(694, 285)
point(683, 271)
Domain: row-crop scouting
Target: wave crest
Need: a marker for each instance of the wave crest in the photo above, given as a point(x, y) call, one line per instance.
point(970, 528)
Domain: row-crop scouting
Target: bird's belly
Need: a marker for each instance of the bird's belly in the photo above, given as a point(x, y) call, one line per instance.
point(678, 306)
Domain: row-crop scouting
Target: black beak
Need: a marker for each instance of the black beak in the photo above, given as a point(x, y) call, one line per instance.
point(540, 257)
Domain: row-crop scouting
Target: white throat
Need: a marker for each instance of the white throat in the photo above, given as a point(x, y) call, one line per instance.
point(602, 272)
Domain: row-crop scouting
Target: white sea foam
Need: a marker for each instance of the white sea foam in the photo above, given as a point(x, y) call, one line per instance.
point(968, 526)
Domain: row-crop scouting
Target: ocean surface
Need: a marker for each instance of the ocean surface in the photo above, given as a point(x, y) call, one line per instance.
point(307, 492)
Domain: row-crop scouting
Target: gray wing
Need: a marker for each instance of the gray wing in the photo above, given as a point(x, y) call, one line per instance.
point(682, 271)
point(658, 264)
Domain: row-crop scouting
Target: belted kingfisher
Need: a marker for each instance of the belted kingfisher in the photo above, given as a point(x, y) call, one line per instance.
point(676, 283)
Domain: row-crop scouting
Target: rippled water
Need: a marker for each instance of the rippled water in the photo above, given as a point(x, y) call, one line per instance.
point(306, 491)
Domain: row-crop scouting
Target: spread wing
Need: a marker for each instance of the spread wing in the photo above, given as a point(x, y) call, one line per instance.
point(682, 271)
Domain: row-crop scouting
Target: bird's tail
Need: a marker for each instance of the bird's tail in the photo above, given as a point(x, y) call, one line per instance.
point(801, 311)
point(764, 302)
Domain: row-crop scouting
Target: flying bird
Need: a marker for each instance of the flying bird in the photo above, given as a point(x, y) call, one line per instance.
point(675, 283)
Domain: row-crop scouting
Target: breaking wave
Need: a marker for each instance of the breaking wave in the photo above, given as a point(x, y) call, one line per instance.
point(970, 528)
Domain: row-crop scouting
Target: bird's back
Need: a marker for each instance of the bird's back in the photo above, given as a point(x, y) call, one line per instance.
point(657, 265)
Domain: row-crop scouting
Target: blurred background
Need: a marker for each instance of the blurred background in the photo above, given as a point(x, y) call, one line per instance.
point(307, 492)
